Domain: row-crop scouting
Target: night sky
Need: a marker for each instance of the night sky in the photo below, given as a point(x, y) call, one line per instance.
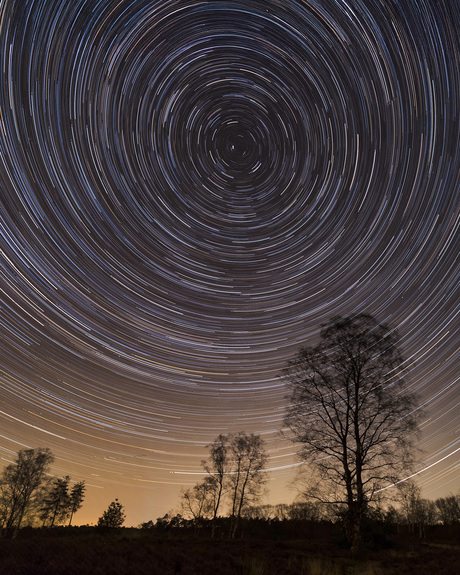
point(188, 189)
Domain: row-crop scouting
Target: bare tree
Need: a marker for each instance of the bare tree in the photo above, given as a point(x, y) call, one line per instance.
point(351, 412)
point(409, 497)
point(77, 494)
point(234, 468)
point(19, 483)
point(217, 467)
point(247, 477)
point(417, 513)
point(197, 502)
point(449, 509)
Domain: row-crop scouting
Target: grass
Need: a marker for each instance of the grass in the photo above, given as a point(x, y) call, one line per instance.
point(126, 552)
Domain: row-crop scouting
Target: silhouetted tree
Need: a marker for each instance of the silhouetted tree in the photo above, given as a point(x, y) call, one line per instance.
point(449, 509)
point(415, 511)
point(114, 516)
point(169, 521)
point(247, 477)
point(197, 501)
point(234, 468)
point(352, 414)
point(19, 483)
point(56, 503)
point(77, 494)
point(147, 525)
point(217, 466)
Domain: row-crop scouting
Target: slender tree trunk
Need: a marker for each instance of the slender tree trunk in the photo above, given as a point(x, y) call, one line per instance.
point(54, 515)
point(234, 505)
point(216, 509)
point(18, 524)
point(17, 510)
point(10, 520)
point(356, 532)
point(240, 506)
point(352, 528)
point(233, 526)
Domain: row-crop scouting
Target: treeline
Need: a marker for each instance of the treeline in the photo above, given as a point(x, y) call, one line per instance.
point(225, 502)
point(29, 496)
point(229, 496)
point(320, 522)
point(407, 508)
point(419, 513)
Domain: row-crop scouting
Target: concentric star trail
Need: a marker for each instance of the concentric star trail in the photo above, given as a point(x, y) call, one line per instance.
point(188, 189)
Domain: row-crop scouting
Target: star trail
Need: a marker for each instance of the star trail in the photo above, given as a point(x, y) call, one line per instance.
point(188, 189)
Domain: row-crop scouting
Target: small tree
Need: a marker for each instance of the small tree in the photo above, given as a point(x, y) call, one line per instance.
point(56, 503)
point(114, 516)
point(352, 415)
point(19, 484)
point(77, 494)
point(169, 521)
point(197, 502)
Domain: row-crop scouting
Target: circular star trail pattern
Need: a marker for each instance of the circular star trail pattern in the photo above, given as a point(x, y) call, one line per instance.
point(189, 189)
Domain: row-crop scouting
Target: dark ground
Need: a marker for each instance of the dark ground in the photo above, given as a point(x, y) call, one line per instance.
point(87, 551)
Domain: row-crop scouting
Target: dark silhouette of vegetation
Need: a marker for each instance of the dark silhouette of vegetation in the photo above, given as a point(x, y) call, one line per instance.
point(217, 467)
point(270, 547)
point(352, 415)
point(409, 514)
point(197, 501)
point(356, 423)
point(235, 472)
point(76, 496)
point(448, 509)
point(417, 515)
point(56, 503)
point(113, 517)
point(28, 495)
point(246, 480)
point(75, 550)
point(20, 485)
point(293, 539)
point(59, 504)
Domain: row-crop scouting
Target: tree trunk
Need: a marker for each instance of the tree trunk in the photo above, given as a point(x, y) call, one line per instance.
point(216, 509)
point(356, 536)
point(54, 516)
point(233, 526)
point(18, 524)
point(353, 527)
